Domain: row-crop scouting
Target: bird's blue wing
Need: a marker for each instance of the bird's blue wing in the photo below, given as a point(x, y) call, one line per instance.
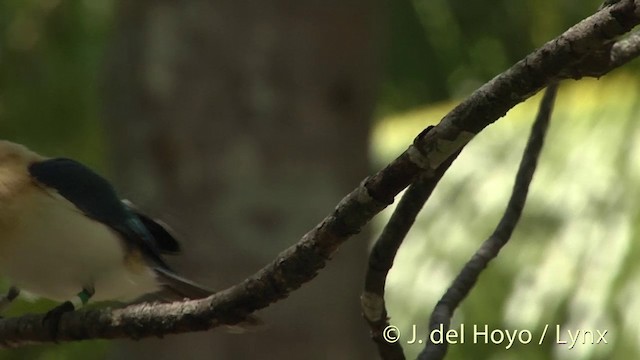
point(162, 234)
point(97, 199)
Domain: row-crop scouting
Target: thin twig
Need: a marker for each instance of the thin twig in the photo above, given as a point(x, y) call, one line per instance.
point(383, 254)
point(625, 50)
point(466, 279)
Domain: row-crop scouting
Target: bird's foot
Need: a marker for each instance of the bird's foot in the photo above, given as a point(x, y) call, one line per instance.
point(8, 298)
point(52, 318)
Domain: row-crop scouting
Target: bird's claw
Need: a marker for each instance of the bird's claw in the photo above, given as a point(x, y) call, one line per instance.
point(52, 319)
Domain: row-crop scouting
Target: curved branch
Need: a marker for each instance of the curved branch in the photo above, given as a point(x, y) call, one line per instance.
point(469, 275)
point(383, 254)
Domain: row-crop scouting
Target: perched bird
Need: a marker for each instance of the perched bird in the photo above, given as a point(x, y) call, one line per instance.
point(65, 235)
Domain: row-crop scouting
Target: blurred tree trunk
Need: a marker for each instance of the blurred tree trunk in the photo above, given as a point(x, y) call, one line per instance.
point(242, 124)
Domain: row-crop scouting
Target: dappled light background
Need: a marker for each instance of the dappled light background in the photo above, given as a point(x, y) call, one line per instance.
point(571, 262)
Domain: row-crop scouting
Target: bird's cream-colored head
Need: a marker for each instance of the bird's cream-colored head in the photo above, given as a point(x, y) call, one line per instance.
point(12, 154)
point(14, 167)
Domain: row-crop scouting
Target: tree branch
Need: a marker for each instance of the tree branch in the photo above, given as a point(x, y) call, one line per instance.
point(468, 277)
point(301, 262)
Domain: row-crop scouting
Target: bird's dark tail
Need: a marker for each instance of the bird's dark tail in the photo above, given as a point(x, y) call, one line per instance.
point(176, 287)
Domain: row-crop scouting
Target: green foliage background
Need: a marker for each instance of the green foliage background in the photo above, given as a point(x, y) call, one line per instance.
point(576, 245)
point(50, 68)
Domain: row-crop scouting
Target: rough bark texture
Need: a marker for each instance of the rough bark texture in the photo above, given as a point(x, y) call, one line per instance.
point(240, 123)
